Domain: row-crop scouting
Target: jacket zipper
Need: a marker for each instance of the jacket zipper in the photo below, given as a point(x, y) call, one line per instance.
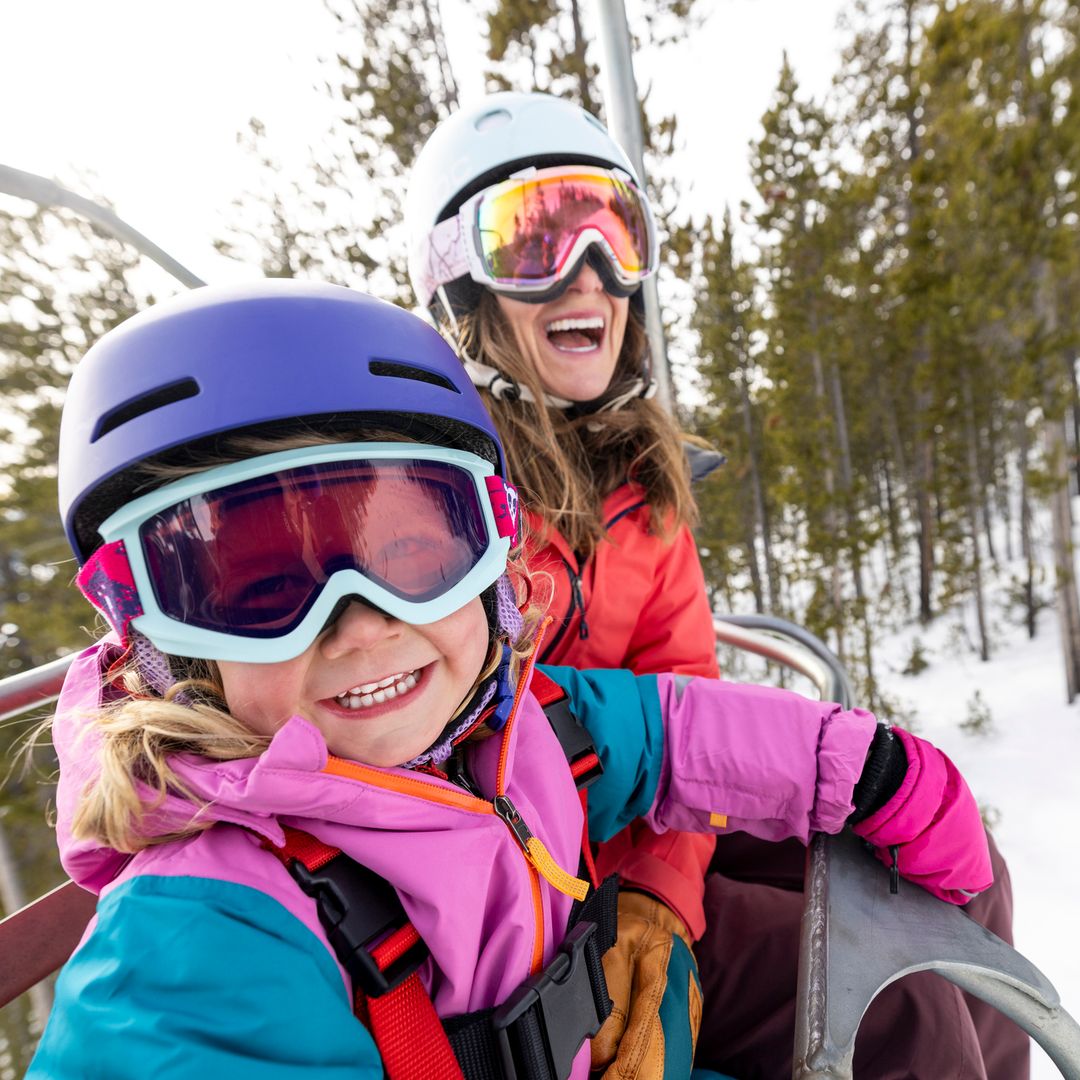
point(577, 602)
point(577, 598)
point(531, 844)
point(537, 856)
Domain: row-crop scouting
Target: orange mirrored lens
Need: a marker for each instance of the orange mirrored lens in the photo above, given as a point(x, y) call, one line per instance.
point(528, 228)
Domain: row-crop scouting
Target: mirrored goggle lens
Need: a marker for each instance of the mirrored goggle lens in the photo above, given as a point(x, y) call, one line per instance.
point(528, 227)
point(252, 558)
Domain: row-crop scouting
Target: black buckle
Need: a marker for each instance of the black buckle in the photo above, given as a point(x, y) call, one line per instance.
point(574, 739)
point(553, 1012)
point(358, 908)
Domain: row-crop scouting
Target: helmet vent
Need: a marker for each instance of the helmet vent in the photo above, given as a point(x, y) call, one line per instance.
point(157, 398)
point(495, 118)
point(394, 369)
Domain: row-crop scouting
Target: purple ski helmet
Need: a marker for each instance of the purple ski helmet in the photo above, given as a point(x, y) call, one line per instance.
point(256, 358)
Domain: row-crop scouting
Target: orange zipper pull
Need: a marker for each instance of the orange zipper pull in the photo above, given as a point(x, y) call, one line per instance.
point(537, 854)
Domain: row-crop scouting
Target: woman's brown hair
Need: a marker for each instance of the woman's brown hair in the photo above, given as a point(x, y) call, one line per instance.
point(565, 465)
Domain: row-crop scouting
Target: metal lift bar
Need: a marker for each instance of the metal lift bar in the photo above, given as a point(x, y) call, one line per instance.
point(44, 192)
point(791, 645)
point(857, 937)
point(35, 688)
point(621, 105)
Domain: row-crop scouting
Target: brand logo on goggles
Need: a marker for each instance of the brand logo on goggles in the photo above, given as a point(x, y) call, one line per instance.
point(504, 504)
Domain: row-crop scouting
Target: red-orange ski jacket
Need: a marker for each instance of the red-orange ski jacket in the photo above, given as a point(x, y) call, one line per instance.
point(638, 602)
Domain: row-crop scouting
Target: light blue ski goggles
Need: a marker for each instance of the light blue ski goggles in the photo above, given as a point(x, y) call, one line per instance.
point(249, 561)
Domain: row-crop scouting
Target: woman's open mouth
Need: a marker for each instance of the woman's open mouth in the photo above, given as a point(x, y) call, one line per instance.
point(576, 335)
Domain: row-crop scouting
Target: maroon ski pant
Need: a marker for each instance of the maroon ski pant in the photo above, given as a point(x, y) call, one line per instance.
point(919, 1028)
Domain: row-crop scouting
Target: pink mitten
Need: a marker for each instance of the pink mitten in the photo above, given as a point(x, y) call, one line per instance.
point(935, 823)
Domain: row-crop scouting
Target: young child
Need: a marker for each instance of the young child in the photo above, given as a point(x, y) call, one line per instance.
point(293, 510)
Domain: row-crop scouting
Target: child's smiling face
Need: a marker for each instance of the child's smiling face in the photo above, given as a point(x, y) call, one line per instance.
point(422, 673)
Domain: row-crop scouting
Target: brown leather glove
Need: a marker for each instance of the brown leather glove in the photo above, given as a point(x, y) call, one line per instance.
point(652, 979)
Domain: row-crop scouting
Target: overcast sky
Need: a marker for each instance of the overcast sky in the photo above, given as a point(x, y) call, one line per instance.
point(149, 96)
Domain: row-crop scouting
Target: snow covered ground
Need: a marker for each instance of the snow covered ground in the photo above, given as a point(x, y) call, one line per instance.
point(1023, 771)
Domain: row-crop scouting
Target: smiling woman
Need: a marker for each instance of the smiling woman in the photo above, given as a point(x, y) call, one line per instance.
point(574, 341)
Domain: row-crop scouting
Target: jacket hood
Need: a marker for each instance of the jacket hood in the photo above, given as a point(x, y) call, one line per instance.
point(288, 781)
point(463, 878)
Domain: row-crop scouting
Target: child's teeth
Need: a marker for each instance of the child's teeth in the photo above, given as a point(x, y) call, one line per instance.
point(370, 688)
point(360, 697)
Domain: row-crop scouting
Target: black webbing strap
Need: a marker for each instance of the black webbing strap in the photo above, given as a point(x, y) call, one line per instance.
point(537, 1031)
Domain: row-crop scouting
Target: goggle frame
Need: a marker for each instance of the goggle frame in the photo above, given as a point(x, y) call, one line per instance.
point(455, 245)
point(498, 504)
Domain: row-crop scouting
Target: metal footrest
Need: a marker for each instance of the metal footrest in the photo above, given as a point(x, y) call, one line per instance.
point(857, 938)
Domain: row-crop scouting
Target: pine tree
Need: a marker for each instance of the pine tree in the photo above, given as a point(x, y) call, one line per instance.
point(1004, 69)
point(61, 287)
point(735, 534)
point(340, 217)
point(794, 176)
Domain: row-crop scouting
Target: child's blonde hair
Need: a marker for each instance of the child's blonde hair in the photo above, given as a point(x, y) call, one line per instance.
point(140, 729)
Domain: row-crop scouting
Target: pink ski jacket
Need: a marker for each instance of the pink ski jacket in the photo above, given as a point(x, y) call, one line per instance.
point(684, 753)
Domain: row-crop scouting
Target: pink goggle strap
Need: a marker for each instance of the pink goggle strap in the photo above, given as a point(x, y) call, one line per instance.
point(105, 580)
point(441, 257)
point(504, 502)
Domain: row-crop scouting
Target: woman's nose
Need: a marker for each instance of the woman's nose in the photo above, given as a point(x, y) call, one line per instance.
point(358, 626)
point(587, 280)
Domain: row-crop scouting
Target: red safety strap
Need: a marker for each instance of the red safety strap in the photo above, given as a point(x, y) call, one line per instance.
point(403, 1022)
point(544, 689)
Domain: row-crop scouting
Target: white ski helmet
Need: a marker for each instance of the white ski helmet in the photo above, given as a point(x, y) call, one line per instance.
point(486, 142)
point(478, 146)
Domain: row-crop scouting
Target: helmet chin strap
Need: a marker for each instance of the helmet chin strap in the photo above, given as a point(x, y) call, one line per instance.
point(503, 388)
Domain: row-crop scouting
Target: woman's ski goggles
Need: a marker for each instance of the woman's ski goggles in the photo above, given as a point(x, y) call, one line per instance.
point(248, 561)
point(525, 235)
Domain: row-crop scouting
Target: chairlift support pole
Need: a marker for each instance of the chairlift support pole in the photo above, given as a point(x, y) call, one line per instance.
point(621, 105)
point(38, 189)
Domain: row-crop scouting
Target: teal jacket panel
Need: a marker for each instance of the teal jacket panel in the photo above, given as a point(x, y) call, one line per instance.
point(621, 711)
point(192, 977)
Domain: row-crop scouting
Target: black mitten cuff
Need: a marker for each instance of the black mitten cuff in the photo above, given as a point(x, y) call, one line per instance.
point(884, 771)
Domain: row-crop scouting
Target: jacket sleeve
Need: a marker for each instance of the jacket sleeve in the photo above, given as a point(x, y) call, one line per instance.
point(675, 631)
point(702, 755)
point(189, 977)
